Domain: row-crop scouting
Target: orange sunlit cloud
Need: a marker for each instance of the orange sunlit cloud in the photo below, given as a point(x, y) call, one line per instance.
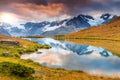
point(37, 12)
point(51, 9)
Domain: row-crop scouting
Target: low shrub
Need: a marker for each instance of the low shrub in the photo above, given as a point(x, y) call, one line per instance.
point(30, 49)
point(20, 50)
point(5, 54)
point(16, 69)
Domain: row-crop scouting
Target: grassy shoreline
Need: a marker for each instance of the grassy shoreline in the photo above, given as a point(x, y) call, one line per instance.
point(41, 72)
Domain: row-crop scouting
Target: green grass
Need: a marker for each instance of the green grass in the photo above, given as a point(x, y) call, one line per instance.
point(17, 50)
point(19, 70)
point(45, 73)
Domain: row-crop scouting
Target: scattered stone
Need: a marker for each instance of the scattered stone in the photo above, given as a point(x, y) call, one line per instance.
point(9, 42)
point(38, 52)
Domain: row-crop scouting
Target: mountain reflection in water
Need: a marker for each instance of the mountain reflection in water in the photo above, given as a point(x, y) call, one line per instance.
point(90, 59)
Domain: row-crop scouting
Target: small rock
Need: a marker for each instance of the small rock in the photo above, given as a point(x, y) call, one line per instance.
point(38, 52)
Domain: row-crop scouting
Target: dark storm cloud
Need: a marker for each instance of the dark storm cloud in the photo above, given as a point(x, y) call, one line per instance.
point(38, 8)
point(76, 7)
point(38, 2)
point(110, 6)
point(86, 6)
point(72, 5)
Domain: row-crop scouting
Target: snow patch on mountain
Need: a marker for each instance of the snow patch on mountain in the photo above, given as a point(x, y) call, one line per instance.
point(51, 28)
point(65, 26)
point(95, 22)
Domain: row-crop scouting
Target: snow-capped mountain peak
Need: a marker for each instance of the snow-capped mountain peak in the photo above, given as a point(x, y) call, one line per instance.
point(51, 28)
point(66, 26)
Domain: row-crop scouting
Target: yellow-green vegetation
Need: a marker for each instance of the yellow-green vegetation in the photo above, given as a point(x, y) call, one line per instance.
point(36, 36)
point(15, 50)
point(106, 36)
point(16, 69)
point(45, 73)
point(13, 68)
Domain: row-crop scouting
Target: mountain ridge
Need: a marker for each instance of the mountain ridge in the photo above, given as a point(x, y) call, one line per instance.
point(112, 26)
point(65, 26)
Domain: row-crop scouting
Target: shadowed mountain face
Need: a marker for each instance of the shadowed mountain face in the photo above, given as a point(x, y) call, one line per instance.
point(3, 31)
point(110, 30)
point(107, 17)
point(66, 26)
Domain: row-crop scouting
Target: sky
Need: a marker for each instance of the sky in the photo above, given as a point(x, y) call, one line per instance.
point(40, 10)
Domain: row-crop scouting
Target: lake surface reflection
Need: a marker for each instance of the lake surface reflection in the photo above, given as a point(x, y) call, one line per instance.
point(87, 58)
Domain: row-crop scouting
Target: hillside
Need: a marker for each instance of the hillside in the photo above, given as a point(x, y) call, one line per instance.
point(109, 30)
point(106, 36)
point(41, 72)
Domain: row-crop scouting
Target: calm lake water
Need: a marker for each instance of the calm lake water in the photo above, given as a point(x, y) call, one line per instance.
point(87, 58)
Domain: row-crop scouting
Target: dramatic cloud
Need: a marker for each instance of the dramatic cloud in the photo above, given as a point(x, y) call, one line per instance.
point(37, 12)
point(51, 9)
point(38, 2)
point(44, 9)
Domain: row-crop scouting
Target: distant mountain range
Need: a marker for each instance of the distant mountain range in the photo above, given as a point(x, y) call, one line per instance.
point(47, 28)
